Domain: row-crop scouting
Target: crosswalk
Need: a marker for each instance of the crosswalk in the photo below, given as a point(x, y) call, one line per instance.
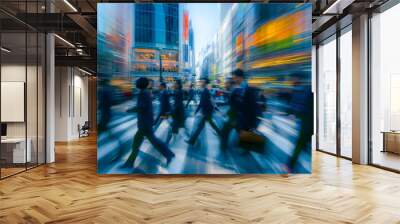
point(204, 157)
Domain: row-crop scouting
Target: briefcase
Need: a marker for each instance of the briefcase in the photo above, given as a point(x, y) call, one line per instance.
point(251, 137)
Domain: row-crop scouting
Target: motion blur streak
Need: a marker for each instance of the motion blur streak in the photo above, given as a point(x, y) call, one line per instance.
point(282, 60)
point(241, 102)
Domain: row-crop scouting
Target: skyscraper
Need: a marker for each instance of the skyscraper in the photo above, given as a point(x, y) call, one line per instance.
point(192, 52)
point(187, 47)
point(156, 40)
point(224, 9)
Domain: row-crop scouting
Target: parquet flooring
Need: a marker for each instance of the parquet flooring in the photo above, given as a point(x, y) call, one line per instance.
point(70, 191)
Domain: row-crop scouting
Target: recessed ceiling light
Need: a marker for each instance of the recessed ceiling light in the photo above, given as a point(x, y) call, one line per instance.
point(70, 5)
point(64, 40)
point(5, 50)
point(337, 7)
point(84, 71)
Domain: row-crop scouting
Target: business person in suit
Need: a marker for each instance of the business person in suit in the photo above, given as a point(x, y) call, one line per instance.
point(249, 109)
point(301, 105)
point(165, 107)
point(206, 108)
point(191, 93)
point(234, 105)
point(105, 103)
point(145, 124)
point(178, 111)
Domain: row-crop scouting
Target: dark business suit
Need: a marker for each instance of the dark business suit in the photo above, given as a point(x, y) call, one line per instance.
point(191, 95)
point(301, 103)
point(145, 129)
point(206, 108)
point(105, 99)
point(249, 109)
point(165, 107)
point(234, 102)
point(178, 113)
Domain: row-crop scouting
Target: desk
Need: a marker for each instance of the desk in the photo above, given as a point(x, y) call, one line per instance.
point(391, 141)
point(13, 150)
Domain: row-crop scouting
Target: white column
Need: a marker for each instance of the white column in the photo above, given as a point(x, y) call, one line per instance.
point(50, 99)
point(50, 92)
point(360, 90)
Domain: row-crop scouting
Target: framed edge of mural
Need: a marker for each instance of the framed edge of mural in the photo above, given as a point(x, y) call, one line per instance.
point(210, 88)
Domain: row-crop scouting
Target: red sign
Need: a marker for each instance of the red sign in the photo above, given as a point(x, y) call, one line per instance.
point(185, 25)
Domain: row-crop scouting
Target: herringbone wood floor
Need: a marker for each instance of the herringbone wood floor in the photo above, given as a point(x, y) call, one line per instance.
point(70, 191)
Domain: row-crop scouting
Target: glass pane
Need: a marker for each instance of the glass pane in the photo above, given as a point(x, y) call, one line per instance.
point(386, 89)
point(41, 99)
point(327, 96)
point(13, 86)
point(22, 79)
point(346, 94)
point(31, 98)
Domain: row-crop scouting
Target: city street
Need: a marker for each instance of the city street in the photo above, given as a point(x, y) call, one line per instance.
point(204, 157)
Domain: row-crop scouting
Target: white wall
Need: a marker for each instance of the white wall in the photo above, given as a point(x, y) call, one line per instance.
point(33, 127)
point(71, 102)
point(16, 73)
point(80, 112)
point(61, 103)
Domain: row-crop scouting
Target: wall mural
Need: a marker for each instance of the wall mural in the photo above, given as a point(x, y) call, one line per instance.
point(216, 88)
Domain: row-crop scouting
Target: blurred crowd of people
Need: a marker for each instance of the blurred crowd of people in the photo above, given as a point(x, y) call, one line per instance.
point(244, 106)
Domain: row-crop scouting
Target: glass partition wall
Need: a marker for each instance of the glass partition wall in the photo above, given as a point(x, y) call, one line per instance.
point(334, 93)
point(22, 94)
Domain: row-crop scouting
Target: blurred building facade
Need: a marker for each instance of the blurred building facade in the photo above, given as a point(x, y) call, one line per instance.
point(187, 45)
point(156, 40)
point(269, 43)
point(114, 43)
point(192, 57)
point(162, 35)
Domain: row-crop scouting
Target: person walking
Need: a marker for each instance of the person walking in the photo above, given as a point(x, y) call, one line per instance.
point(145, 124)
point(206, 108)
point(301, 104)
point(191, 95)
point(178, 112)
point(234, 104)
point(249, 109)
point(165, 107)
point(105, 103)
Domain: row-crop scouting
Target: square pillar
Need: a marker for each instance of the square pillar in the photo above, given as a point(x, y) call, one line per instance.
point(360, 89)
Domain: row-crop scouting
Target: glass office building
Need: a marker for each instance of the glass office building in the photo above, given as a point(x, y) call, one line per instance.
point(155, 43)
